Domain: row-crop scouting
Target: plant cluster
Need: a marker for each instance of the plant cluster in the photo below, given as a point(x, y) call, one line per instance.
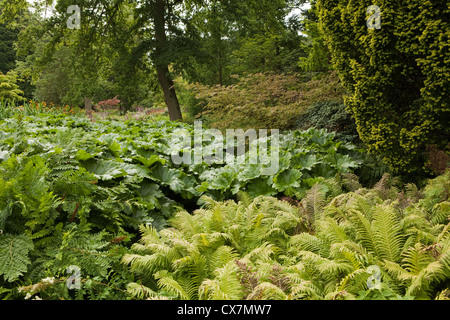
point(263, 100)
point(70, 188)
point(332, 116)
point(75, 193)
point(10, 109)
point(324, 247)
point(8, 87)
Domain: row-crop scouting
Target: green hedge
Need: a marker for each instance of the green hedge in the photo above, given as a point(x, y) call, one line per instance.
point(397, 76)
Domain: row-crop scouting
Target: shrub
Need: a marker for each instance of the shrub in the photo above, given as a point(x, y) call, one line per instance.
point(261, 101)
point(331, 116)
point(9, 90)
point(397, 76)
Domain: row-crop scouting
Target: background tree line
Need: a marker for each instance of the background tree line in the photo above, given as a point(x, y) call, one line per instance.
point(390, 88)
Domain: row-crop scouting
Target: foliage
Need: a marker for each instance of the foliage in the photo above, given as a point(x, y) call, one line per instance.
point(228, 38)
point(119, 153)
point(397, 76)
point(322, 248)
point(69, 187)
point(264, 100)
point(318, 59)
point(7, 53)
point(75, 192)
point(332, 116)
point(39, 241)
point(9, 90)
point(10, 109)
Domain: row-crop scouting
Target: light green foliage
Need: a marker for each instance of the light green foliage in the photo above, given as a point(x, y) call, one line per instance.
point(256, 249)
point(196, 258)
point(318, 59)
point(9, 90)
point(397, 76)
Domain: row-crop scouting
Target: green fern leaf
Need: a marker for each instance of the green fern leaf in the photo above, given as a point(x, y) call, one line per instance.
point(14, 258)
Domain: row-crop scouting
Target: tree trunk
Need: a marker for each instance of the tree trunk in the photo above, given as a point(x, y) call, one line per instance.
point(162, 67)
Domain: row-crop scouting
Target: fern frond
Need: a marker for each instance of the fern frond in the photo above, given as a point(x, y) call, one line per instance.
point(420, 283)
point(262, 253)
point(313, 202)
point(14, 258)
point(333, 268)
point(413, 193)
point(267, 291)
point(354, 281)
point(147, 264)
point(244, 198)
point(342, 251)
point(169, 284)
point(306, 289)
point(440, 214)
point(363, 228)
point(332, 230)
point(307, 242)
point(386, 233)
point(139, 291)
point(443, 295)
point(416, 259)
point(225, 286)
point(187, 224)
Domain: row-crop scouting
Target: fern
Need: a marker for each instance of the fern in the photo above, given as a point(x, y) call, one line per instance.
point(386, 233)
point(14, 255)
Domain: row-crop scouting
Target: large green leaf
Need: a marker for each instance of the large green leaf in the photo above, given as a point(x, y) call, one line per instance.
point(170, 177)
point(286, 179)
point(260, 187)
point(104, 169)
point(304, 161)
point(342, 163)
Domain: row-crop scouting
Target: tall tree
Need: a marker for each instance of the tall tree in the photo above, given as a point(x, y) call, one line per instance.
point(102, 23)
point(162, 66)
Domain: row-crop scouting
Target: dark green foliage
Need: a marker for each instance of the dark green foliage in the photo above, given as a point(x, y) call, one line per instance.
point(332, 116)
point(14, 257)
point(7, 52)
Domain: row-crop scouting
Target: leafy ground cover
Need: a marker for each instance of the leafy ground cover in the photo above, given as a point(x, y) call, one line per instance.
point(76, 192)
point(324, 247)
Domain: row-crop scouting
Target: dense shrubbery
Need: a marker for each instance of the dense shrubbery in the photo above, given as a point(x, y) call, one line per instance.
point(9, 90)
point(73, 191)
point(264, 100)
point(331, 116)
point(397, 76)
point(123, 204)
